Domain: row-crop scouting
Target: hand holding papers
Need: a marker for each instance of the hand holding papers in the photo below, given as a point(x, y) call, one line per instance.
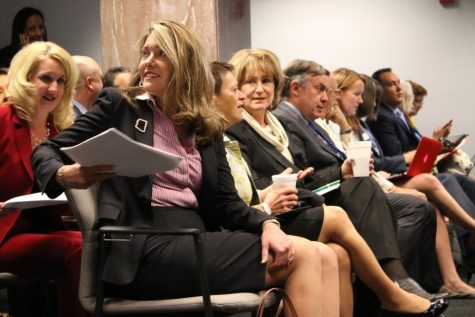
point(33, 201)
point(130, 158)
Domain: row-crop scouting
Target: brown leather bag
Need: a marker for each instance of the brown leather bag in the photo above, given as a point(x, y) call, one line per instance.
point(284, 301)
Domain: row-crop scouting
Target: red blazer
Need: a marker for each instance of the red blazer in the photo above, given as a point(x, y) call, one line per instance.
point(16, 175)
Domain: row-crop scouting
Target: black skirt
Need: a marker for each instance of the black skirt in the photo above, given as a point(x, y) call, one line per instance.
point(168, 267)
point(303, 222)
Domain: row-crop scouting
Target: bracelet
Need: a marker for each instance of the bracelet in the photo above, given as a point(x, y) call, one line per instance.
point(266, 208)
point(60, 177)
point(346, 131)
point(274, 221)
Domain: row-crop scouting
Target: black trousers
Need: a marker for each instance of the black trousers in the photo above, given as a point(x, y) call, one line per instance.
point(416, 229)
point(370, 212)
point(462, 190)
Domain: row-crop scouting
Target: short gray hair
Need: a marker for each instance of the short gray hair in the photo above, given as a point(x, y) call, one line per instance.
point(301, 70)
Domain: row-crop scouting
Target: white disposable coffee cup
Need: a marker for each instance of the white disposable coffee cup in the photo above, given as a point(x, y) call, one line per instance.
point(284, 181)
point(360, 152)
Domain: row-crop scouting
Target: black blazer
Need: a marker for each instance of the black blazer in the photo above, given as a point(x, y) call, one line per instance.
point(393, 136)
point(127, 200)
point(262, 157)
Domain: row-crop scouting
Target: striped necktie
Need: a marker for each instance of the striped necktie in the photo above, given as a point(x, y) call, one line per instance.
point(327, 141)
point(402, 118)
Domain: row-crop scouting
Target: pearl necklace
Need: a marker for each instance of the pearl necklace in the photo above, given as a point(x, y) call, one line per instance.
point(37, 140)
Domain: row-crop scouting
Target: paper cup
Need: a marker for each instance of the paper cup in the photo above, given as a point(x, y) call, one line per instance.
point(360, 152)
point(284, 181)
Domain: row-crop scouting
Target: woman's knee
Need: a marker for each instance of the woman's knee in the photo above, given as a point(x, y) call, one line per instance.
point(306, 258)
point(336, 216)
point(430, 181)
point(305, 250)
point(342, 256)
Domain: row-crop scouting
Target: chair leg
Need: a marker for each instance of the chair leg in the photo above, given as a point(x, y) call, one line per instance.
point(50, 298)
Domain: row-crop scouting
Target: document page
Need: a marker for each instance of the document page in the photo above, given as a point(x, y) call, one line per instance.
point(34, 200)
point(130, 158)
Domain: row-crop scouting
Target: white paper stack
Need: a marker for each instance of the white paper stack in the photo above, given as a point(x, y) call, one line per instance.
point(130, 158)
point(33, 201)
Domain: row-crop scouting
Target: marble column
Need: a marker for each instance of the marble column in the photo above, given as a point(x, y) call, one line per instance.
point(123, 22)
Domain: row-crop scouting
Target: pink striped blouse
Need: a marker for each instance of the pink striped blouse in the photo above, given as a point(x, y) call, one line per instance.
point(180, 186)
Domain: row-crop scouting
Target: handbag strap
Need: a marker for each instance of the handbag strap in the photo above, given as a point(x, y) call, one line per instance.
point(284, 301)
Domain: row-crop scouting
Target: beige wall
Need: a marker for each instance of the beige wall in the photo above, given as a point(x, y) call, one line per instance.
point(124, 21)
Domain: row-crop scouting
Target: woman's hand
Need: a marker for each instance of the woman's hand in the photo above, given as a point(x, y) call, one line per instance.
point(337, 116)
point(409, 156)
point(275, 241)
point(281, 200)
point(384, 174)
point(300, 174)
point(443, 131)
point(347, 168)
point(306, 172)
point(77, 176)
point(2, 212)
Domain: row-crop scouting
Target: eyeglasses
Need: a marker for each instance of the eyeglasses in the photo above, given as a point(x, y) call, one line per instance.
point(322, 88)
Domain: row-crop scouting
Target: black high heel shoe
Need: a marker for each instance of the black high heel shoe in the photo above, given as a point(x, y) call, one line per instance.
point(435, 309)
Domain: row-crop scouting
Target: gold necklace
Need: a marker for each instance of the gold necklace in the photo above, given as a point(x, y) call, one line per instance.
point(37, 140)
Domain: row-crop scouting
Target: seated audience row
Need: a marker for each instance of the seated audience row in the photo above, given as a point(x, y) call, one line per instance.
point(426, 186)
point(198, 193)
point(368, 224)
point(298, 215)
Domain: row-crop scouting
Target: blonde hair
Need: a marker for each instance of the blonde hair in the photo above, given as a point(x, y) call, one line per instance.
point(21, 90)
point(345, 78)
point(187, 99)
point(248, 61)
point(407, 96)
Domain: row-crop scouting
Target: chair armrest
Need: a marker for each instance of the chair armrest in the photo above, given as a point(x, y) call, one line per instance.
point(147, 230)
point(195, 233)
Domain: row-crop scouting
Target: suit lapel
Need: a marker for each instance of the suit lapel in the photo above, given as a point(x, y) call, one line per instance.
point(209, 177)
point(143, 126)
point(208, 164)
point(398, 120)
point(23, 143)
point(308, 134)
point(268, 148)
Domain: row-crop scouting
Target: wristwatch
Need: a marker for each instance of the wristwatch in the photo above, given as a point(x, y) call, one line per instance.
point(266, 208)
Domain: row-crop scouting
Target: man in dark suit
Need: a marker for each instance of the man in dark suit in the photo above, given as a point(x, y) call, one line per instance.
point(392, 129)
point(306, 94)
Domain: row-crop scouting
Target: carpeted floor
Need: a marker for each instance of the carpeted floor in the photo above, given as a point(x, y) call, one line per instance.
point(462, 307)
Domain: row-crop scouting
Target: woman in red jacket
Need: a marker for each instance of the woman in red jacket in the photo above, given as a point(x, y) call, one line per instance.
point(34, 242)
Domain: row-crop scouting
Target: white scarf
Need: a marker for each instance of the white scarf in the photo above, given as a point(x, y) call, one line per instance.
point(274, 133)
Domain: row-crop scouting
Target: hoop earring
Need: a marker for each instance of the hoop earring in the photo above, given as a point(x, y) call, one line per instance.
point(140, 84)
